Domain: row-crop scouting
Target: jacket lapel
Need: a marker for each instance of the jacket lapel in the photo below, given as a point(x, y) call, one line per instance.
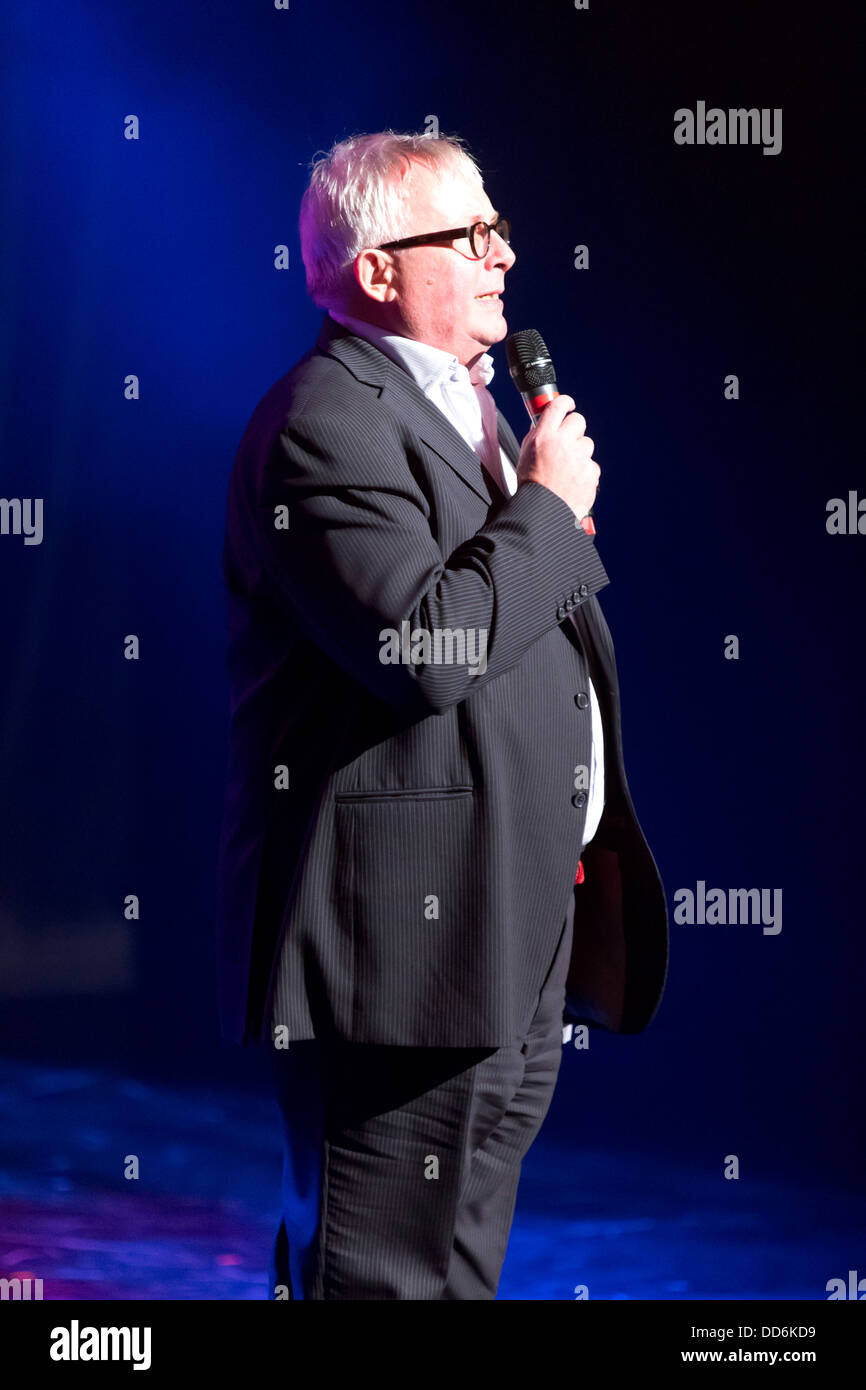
point(400, 394)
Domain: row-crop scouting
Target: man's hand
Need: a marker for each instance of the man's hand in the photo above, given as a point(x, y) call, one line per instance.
point(558, 454)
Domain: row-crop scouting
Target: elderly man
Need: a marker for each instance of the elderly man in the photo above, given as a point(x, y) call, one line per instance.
point(429, 856)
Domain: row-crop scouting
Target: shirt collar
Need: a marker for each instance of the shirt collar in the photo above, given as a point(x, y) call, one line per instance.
point(425, 364)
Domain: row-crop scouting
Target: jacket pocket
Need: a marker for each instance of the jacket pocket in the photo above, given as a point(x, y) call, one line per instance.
point(405, 794)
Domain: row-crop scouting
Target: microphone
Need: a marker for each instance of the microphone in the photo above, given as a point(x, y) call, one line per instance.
point(532, 373)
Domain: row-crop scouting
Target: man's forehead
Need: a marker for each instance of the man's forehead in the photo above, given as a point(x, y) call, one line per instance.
point(458, 194)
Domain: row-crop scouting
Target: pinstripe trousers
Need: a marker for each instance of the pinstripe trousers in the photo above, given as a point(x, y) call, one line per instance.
point(401, 1164)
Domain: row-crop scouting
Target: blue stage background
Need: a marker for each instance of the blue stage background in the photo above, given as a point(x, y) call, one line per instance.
point(155, 257)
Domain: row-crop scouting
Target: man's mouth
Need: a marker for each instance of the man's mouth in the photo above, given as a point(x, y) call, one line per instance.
point(494, 294)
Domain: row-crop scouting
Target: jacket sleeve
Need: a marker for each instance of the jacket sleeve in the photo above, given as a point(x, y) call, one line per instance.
point(343, 532)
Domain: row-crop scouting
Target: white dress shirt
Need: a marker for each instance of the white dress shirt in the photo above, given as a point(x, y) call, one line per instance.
point(471, 409)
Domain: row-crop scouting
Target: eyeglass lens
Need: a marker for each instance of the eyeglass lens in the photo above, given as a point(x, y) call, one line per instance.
point(481, 235)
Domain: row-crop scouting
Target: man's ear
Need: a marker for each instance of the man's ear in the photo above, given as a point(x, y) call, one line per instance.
point(374, 272)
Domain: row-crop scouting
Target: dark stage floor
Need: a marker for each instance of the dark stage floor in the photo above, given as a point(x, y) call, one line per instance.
point(199, 1220)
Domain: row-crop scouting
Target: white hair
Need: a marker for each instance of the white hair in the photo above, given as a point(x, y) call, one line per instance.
point(357, 198)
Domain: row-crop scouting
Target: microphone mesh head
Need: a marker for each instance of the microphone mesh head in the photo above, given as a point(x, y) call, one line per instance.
point(529, 361)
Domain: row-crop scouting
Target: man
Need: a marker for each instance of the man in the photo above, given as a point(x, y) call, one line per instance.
point(425, 748)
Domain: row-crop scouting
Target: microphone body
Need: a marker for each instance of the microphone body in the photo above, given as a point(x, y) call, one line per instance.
point(532, 373)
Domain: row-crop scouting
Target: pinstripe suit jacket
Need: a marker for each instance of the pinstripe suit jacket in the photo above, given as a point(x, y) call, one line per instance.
point(400, 841)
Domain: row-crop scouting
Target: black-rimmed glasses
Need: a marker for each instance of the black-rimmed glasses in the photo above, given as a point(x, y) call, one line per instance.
point(478, 235)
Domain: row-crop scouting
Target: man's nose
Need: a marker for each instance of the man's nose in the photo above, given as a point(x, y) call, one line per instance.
point(499, 253)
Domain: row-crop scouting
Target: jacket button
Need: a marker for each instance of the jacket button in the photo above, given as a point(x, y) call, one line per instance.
point(581, 700)
point(569, 603)
point(579, 799)
point(576, 595)
point(561, 613)
point(583, 591)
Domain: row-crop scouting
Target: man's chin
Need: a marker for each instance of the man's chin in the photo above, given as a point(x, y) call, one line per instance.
point(492, 332)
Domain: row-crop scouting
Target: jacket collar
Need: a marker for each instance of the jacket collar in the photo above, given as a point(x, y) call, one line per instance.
point(400, 394)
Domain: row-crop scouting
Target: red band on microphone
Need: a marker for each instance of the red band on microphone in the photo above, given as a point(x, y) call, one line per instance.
point(539, 402)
